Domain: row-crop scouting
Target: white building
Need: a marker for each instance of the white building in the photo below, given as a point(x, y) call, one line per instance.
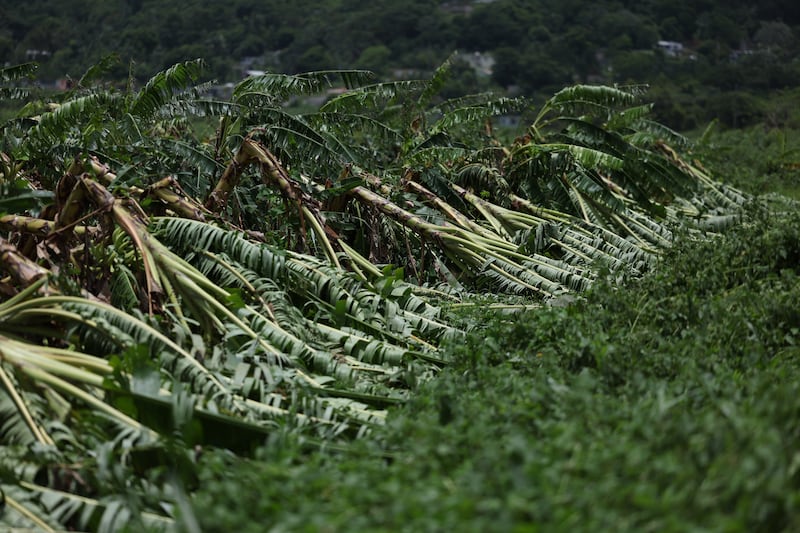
point(670, 48)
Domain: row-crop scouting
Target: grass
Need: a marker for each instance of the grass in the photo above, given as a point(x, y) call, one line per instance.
point(761, 158)
point(757, 160)
point(669, 404)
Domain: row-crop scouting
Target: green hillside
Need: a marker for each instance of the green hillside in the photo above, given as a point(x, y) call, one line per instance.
point(730, 51)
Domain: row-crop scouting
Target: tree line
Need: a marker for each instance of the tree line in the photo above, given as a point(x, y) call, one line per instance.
point(733, 51)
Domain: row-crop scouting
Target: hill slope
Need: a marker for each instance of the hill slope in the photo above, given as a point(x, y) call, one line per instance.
point(729, 49)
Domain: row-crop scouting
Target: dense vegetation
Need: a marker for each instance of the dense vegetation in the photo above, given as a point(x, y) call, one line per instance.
point(669, 404)
point(734, 51)
point(757, 159)
point(187, 275)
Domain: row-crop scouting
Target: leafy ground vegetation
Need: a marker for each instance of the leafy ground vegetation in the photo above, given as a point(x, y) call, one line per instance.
point(183, 275)
point(670, 403)
point(759, 159)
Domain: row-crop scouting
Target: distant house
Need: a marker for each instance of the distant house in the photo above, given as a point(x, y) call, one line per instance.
point(482, 63)
point(247, 65)
point(736, 55)
point(406, 73)
point(457, 8)
point(670, 48)
point(37, 55)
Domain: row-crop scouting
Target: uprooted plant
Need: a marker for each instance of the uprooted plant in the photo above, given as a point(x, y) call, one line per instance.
point(163, 291)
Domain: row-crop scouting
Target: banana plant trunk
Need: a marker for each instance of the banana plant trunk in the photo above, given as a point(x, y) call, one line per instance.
point(22, 270)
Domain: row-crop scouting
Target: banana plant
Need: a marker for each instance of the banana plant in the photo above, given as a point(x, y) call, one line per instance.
point(164, 290)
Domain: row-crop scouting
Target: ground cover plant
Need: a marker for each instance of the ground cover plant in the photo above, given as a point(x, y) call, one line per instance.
point(668, 404)
point(761, 159)
point(182, 274)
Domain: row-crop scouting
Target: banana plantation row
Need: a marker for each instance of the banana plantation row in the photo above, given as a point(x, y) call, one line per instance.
point(179, 272)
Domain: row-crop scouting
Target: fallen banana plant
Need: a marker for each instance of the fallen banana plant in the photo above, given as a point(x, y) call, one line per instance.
point(221, 292)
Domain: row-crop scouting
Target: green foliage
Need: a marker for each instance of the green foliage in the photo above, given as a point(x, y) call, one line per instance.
point(167, 290)
point(162, 87)
point(12, 75)
point(669, 404)
point(538, 47)
point(759, 159)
